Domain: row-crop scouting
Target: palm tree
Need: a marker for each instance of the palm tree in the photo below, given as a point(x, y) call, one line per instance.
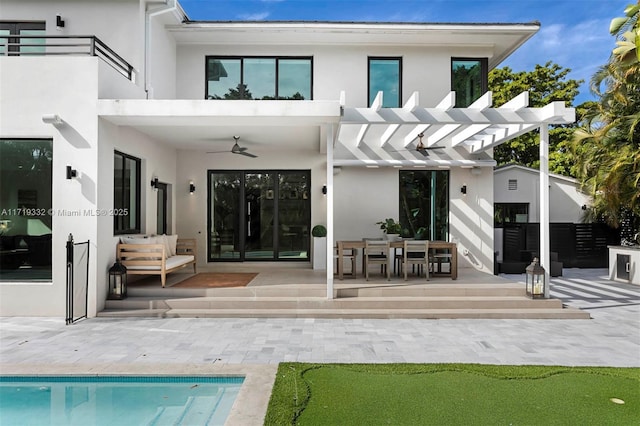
point(607, 147)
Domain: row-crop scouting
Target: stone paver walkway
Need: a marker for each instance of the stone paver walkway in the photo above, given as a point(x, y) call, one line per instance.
point(610, 338)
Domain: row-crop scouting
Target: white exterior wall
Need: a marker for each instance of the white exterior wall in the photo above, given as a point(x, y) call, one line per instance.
point(336, 68)
point(120, 26)
point(471, 217)
point(565, 199)
point(74, 143)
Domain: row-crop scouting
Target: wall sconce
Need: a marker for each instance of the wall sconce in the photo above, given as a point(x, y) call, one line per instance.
point(71, 173)
point(52, 119)
point(463, 189)
point(154, 183)
point(324, 189)
point(192, 187)
point(59, 22)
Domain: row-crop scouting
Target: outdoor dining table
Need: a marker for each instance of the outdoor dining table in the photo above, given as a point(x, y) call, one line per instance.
point(433, 245)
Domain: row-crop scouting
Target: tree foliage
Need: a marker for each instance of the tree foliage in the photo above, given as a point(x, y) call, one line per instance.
point(607, 146)
point(546, 83)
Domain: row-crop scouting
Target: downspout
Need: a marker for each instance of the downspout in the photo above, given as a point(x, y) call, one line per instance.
point(171, 6)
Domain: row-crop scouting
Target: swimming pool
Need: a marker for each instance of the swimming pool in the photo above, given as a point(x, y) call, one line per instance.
point(116, 400)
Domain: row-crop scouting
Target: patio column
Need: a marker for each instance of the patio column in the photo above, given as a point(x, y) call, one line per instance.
point(330, 239)
point(545, 258)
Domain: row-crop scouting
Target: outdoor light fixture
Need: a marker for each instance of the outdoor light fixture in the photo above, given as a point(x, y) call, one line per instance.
point(117, 281)
point(52, 119)
point(536, 280)
point(463, 189)
point(59, 22)
point(324, 189)
point(192, 187)
point(154, 183)
point(71, 173)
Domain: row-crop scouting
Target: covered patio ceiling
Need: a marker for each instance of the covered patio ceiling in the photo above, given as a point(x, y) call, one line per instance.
point(377, 136)
point(371, 137)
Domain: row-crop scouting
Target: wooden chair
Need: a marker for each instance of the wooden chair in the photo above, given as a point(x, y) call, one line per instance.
point(415, 252)
point(376, 252)
point(347, 254)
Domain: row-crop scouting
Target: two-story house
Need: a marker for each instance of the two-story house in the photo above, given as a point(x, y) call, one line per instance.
point(123, 117)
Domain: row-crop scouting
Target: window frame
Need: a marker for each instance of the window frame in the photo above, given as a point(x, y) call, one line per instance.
point(510, 208)
point(242, 58)
point(484, 70)
point(384, 58)
point(125, 202)
point(15, 27)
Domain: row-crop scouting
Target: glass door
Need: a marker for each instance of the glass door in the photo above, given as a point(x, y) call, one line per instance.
point(224, 220)
point(259, 215)
point(294, 214)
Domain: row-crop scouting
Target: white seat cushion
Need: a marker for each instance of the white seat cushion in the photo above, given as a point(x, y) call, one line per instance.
point(171, 263)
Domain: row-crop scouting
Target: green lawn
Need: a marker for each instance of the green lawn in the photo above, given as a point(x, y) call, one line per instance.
point(453, 394)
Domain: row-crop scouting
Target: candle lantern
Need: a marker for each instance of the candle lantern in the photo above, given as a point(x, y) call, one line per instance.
point(536, 280)
point(117, 281)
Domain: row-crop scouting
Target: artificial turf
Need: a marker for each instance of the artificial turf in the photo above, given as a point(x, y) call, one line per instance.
point(453, 394)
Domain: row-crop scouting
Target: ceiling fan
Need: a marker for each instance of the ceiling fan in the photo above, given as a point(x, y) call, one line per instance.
point(236, 149)
point(421, 147)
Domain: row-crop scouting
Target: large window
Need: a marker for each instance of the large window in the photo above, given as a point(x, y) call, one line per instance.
point(259, 78)
point(469, 79)
point(505, 213)
point(385, 75)
point(126, 193)
point(259, 215)
point(25, 209)
point(424, 204)
point(16, 46)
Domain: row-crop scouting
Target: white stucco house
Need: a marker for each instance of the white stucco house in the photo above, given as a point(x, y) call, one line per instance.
point(119, 118)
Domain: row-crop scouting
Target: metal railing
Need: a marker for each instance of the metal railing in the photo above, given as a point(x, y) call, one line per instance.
point(77, 270)
point(48, 45)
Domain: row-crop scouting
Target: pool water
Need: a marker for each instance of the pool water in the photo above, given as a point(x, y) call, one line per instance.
point(130, 400)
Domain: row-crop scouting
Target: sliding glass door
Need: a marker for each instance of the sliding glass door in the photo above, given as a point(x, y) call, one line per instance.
point(258, 215)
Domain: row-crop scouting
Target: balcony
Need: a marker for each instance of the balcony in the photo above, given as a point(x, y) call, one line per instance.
point(55, 45)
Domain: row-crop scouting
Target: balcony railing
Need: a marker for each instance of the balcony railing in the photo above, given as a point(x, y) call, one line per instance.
point(37, 45)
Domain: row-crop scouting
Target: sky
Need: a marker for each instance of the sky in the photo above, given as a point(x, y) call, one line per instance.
point(574, 33)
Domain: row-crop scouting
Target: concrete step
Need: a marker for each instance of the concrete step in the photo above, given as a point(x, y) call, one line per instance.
point(566, 313)
point(463, 302)
point(409, 289)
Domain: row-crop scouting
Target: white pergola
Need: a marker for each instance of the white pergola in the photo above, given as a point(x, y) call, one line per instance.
point(383, 137)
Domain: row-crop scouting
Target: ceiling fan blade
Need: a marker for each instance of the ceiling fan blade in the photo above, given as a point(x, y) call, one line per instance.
point(246, 154)
point(423, 151)
point(217, 152)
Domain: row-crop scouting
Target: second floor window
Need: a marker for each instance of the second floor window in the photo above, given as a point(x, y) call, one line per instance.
point(17, 46)
point(259, 78)
point(469, 79)
point(385, 75)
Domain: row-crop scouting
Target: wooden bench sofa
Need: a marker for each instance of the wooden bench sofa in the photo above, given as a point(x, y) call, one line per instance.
point(154, 258)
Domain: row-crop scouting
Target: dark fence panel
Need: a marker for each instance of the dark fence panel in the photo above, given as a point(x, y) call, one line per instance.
point(579, 245)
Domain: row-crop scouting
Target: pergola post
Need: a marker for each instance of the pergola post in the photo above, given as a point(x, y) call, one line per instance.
point(545, 257)
point(329, 200)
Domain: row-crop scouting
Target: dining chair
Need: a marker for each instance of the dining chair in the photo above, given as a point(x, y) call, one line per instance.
point(416, 252)
point(347, 254)
point(376, 252)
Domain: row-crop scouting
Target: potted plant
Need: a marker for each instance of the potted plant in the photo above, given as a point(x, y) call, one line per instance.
point(319, 233)
point(390, 227)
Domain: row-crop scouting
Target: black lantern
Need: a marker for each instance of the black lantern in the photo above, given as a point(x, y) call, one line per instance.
point(117, 281)
point(536, 280)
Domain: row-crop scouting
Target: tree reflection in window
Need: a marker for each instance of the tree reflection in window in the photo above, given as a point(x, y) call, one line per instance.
point(258, 78)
